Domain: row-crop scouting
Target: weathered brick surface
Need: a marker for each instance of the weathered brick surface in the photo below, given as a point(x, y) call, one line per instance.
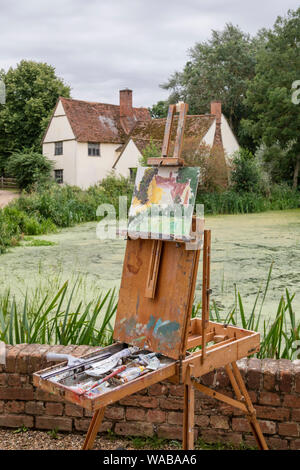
point(274, 388)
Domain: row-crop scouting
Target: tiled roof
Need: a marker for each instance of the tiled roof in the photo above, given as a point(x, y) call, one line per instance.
point(99, 122)
point(196, 127)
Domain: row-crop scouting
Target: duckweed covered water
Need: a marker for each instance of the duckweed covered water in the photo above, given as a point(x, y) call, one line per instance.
point(243, 247)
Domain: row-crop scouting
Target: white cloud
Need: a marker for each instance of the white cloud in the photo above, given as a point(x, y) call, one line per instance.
point(99, 46)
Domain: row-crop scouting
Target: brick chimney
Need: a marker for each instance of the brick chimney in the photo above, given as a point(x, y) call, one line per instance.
point(216, 108)
point(126, 110)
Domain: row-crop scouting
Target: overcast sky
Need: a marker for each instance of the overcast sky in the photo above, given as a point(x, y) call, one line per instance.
point(101, 46)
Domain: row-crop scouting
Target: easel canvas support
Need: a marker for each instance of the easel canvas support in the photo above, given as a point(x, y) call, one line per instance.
point(161, 276)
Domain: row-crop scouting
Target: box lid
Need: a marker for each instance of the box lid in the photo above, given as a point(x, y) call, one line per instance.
point(159, 324)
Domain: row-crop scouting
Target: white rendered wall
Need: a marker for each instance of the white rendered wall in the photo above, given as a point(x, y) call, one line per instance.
point(91, 170)
point(208, 139)
point(66, 162)
point(230, 143)
point(129, 159)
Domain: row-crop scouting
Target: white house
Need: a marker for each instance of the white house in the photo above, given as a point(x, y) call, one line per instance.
point(84, 139)
point(209, 129)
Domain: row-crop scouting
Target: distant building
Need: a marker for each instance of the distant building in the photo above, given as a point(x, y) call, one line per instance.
point(84, 139)
point(211, 130)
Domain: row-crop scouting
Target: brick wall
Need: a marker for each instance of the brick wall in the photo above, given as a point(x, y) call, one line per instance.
point(274, 387)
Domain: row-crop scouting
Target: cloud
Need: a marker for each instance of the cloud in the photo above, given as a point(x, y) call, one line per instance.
point(100, 46)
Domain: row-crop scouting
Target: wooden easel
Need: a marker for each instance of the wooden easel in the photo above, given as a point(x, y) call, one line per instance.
point(159, 277)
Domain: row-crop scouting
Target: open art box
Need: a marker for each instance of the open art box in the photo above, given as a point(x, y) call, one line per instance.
point(155, 336)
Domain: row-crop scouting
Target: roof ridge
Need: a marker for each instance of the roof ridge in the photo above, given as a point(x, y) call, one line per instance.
point(98, 102)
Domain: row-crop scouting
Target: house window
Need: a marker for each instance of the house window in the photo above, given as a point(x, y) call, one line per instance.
point(93, 150)
point(59, 176)
point(132, 174)
point(58, 148)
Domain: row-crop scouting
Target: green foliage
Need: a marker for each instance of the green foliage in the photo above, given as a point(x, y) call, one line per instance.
point(159, 110)
point(57, 320)
point(32, 90)
point(29, 168)
point(245, 175)
point(274, 117)
point(281, 197)
point(150, 151)
point(55, 206)
point(218, 69)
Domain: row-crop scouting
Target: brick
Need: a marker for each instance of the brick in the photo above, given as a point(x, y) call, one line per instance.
point(135, 414)
point(116, 412)
point(83, 425)
point(222, 379)
point(208, 379)
point(240, 424)
point(55, 409)
point(275, 443)
point(16, 421)
point(14, 380)
point(297, 380)
point(158, 389)
point(169, 432)
point(134, 429)
point(219, 422)
point(267, 427)
point(270, 367)
point(38, 359)
point(73, 410)
point(276, 414)
point(285, 375)
point(202, 420)
point(175, 418)
point(174, 404)
point(34, 408)
point(138, 400)
point(156, 416)
point(50, 422)
point(268, 398)
point(41, 395)
point(15, 407)
point(290, 401)
point(3, 379)
point(10, 393)
point(11, 356)
point(176, 390)
point(23, 358)
point(295, 444)
point(288, 429)
point(1, 406)
point(254, 374)
point(296, 415)
point(215, 436)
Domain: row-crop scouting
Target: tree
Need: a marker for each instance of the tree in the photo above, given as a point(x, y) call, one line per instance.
point(32, 89)
point(29, 168)
point(218, 69)
point(159, 110)
point(245, 174)
point(275, 116)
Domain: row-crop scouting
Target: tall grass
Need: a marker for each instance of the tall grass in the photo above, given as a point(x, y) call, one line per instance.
point(56, 320)
point(281, 197)
point(61, 319)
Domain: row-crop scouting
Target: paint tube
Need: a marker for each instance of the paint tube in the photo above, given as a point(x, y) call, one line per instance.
point(109, 364)
point(131, 374)
point(149, 360)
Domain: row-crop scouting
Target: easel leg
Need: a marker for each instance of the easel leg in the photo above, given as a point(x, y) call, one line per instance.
point(93, 429)
point(242, 394)
point(188, 414)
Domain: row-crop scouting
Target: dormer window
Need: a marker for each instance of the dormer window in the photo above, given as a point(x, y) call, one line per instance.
point(93, 149)
point(58, 148)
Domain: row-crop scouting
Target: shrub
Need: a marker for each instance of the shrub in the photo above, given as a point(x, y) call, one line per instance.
point(29, 168)
point(246, 174)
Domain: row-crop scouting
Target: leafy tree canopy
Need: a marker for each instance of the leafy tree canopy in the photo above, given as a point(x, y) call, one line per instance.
point(32, 89)
point(218, 69)
point(275, 116)
point(159, 110)
point(29, 168)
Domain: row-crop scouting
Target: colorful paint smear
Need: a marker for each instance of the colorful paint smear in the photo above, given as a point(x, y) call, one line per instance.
point(163, 202)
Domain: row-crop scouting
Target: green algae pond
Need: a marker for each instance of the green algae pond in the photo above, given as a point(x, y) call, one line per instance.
point(243, 248)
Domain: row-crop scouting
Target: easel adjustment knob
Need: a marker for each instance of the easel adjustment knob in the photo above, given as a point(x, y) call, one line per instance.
point(209, 291)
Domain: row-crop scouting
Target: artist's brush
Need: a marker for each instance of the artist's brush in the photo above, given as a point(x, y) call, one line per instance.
point(99, 382)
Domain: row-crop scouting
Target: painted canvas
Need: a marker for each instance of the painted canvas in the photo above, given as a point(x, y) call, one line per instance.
point(163, 202)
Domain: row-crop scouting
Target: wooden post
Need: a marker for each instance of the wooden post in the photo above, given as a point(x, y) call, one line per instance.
point(188, 412)
point(93, 429)
point(205, 289)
